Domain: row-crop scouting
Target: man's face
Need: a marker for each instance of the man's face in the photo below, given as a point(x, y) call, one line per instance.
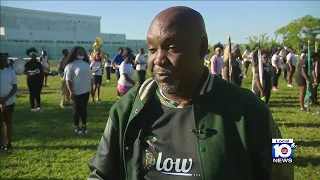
point(173, 56)
point(120, 51)
point(141, 51)
point(264, 58)
point(218, 51)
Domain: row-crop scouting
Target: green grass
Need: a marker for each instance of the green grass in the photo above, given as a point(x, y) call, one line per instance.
point(46, 147)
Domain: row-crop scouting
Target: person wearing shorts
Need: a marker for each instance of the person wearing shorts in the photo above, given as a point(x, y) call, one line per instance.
point(291, 67)
point(8, 87)
point(96, 68)
point(303, 80)
point(126, 80)
point(246, 60)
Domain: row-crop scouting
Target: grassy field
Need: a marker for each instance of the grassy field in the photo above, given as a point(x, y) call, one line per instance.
point(46, 147)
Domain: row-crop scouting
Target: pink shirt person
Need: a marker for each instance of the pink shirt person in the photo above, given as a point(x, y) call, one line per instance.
point(216, 65)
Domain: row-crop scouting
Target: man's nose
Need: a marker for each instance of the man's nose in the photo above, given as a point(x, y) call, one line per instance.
point(161, 58)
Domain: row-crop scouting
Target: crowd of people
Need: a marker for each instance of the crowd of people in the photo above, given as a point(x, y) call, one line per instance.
point(275, 62)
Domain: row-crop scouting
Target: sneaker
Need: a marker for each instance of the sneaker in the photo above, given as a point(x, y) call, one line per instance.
point(290, 85)
point(245, 76)
point(2, 147)
point(85, 129)
point(8, 147)
point(303, 109)
point(98, 100)
point(107, 80)
point(78, 130)
point(275, 88)
point(39, 109)
point(33, 110)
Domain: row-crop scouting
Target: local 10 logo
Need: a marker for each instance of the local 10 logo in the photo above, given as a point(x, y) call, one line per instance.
point(282, 150)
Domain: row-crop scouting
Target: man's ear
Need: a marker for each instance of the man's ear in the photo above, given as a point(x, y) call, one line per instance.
point(203, 47)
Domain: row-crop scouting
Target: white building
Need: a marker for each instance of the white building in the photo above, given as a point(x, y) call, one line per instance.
point(53, 32)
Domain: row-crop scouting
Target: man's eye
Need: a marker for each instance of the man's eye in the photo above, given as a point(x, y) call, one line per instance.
point(173, 49)
point(152, 50)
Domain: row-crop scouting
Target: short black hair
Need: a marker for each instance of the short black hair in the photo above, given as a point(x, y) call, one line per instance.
point(218, 46)
point(30, 50)
point(120, 48)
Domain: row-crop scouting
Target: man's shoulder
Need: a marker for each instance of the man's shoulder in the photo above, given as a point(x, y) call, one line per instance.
point(236, 97)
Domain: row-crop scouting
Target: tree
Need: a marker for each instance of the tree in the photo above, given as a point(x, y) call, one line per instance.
point(297, 33)
point(265, 41)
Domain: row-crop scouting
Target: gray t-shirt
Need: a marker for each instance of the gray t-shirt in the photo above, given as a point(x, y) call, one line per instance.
point(172, 153)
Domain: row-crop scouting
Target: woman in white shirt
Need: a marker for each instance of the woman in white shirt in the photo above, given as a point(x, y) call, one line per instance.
point(126, 80)
point(46, 66)
point(78, 75)
point(291, 67)
point(96, 68)
point(8, 88)
point(108, 66)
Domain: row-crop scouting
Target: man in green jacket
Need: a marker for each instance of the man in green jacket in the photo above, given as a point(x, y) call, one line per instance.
point(185, 123)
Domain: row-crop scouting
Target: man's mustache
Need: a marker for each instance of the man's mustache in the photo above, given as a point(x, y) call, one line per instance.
point(161, 71)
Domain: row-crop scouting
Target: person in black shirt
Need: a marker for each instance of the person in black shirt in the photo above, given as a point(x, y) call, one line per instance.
point(34, 71)
point(303, 80)
point(315, 77)
point(263, 89)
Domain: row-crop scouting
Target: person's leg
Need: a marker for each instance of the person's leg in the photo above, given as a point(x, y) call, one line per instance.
point(302, 95)
point(38, 95)
point(267, 92)
point(118, 77)
point(8, 122)
point(144, 72)
point(76, 113)
point(45, 79)
point(277, 77)
point(274, 76)
point(31, 88)
point(84, 107)
point(108, 70)
point(98, 87)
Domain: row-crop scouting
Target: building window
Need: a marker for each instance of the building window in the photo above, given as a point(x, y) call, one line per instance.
point(15, 40)
point(58, 41)
point(67, 42)
point(21, 40)
point(50, 41)
point(45, 41)
point(26, 40)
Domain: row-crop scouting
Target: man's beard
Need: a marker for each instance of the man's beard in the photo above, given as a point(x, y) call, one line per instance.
point(169, 88)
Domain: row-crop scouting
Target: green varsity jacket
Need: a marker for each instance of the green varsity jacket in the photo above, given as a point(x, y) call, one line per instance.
point(235, 144)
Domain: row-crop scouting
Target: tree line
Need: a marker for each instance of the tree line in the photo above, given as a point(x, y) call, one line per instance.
point(294, 35)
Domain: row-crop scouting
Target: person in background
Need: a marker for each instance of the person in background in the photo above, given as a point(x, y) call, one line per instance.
point(141, 66)
point(108, 66)
point(276, 69)
point(236, 74)
point(303, 80)
point(89, 55)
point(217, 60)
point(263, 89)
point(117, 60)
point(35, 76)
point(291, 67)
point(96, 68)
point(283, 59)
point(65, 97)
point(8, 88)
point(46, 66)
point(78, 77)
point(126, 80)
point(246, 60)
point(207, 62)
point(315, 77)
